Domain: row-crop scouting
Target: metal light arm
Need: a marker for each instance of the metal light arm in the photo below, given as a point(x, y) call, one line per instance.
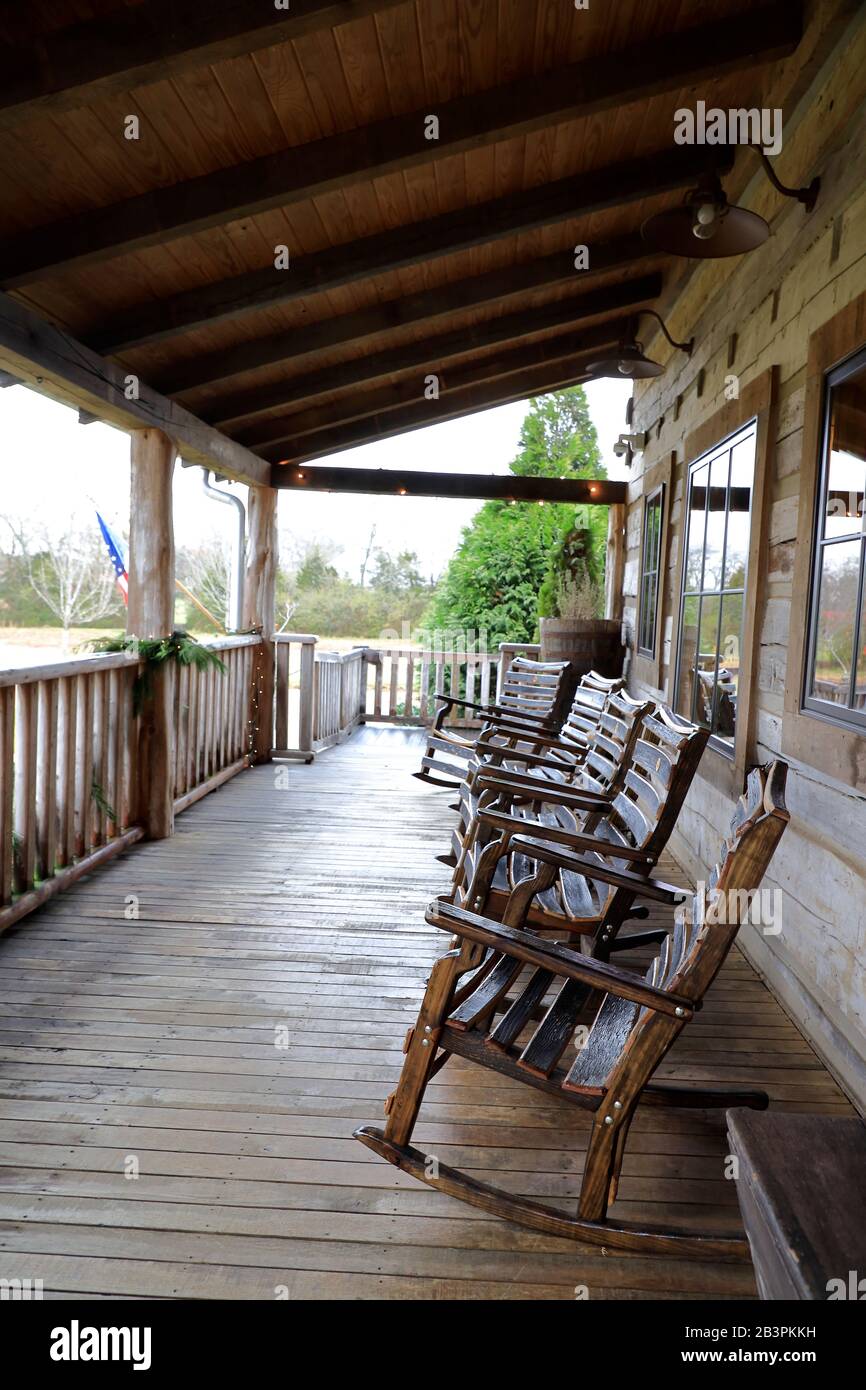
point(807, 196)
point(683, 347)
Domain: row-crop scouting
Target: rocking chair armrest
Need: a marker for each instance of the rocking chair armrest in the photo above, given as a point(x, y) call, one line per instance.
point(654, 888)
point(449, 700)
point(558, 958)
point(519, 723)
point(533, 789)
point(517, 755)
point(544, 734)
point(517, 825)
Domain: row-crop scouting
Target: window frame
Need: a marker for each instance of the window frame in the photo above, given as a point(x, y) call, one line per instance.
point(656, 495)
point(726, 747)
point(832, 747)
point(757, 397)
point(846, 715)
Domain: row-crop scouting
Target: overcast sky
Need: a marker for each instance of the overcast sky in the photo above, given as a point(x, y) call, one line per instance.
point(54, 469)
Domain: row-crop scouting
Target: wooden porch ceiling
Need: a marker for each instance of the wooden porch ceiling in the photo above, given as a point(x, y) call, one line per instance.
point(307, 129)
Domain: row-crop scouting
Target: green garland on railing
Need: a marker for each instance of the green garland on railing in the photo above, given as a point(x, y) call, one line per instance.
point(153, 652)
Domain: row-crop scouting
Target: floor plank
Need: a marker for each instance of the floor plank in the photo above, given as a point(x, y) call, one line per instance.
point(188, 1038)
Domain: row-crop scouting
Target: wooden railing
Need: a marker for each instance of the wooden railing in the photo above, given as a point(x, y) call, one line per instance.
point(318, 700)
point(212, 720)
point(337, 689)
point(69, 739)
point(402, 683)
point(68, 775)
point(295, 655)
point(321, 696)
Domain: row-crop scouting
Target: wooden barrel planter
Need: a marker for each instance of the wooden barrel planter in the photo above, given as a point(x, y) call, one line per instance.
point(590, 644)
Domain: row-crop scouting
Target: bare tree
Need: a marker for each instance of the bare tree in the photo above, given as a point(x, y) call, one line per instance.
point(367, 553)
point(71, 573)
point(206, 570)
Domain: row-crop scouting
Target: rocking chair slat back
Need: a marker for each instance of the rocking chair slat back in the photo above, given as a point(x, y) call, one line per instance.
point(703, 932)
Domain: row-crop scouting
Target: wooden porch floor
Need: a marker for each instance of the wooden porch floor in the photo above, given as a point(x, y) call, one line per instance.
point(154, 1040)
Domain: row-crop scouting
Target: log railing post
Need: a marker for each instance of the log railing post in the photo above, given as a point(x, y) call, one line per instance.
point(307, 697)
point(151, 614)
point(259, 606)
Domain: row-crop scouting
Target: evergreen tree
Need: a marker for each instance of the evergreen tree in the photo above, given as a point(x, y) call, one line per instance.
point(493, 580)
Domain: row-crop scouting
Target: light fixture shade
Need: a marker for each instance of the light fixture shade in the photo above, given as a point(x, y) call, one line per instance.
point(627, 363)
point(736, 232)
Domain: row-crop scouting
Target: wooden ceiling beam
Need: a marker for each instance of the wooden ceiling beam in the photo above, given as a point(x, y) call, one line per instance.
point(412, 391)
point(600, 83)
point(506, 487)
point(86, 62)
point(435, 351)
point(517, 386)
point(425, 307)
point(50, 361)
point(445, 235)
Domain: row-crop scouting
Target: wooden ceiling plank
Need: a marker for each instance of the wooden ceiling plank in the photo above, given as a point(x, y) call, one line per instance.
point(451, 232)
point(600, 83)
point(450, 298)
point(409, 391)
point(517, 386)
point(52, 362)
point(360, 371)
point(506, 487)
point(81, 64)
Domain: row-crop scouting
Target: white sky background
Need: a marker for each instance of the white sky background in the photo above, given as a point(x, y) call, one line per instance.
point(52, 469)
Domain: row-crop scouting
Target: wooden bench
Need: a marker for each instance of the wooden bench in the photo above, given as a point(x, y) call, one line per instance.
point(802, 1191)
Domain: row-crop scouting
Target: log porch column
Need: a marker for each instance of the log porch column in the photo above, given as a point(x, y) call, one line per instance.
point(259, 608)
point(151, 614)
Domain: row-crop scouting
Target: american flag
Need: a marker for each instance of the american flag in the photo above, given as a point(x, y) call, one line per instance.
point(116, 554)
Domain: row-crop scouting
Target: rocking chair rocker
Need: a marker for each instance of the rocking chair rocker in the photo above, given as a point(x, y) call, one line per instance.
point(634, 1023)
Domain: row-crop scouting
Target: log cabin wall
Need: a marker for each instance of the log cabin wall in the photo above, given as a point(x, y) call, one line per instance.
point(775, 320)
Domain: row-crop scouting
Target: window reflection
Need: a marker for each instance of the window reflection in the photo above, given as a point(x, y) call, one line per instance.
point(650, 561)
point(836, 669)
point(714, 581)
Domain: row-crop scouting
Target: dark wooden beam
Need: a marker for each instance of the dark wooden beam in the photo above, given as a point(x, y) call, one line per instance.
point(507, 487)
point(50, 361)
point(394, 396)
point(426, 306)
point(452, 232)
point(600, 83)
point(86, 62)
point(435, 351)
point(517, 386)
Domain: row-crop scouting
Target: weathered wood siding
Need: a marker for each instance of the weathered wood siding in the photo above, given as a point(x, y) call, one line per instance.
point(773, 300)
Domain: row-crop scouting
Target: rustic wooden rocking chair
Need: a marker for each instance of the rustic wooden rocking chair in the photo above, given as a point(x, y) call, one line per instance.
point(531, 700)
point(635, 1020)
point(554, 752)
point(590, 756)
point(572, 861)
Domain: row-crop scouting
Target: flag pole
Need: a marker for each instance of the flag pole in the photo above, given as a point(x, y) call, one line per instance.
point(200, 606)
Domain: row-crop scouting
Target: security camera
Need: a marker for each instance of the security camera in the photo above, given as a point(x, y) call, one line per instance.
point(634, 443)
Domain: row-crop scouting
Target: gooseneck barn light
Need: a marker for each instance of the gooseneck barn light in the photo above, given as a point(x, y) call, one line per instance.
point(706, 226)
point(629, 360)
